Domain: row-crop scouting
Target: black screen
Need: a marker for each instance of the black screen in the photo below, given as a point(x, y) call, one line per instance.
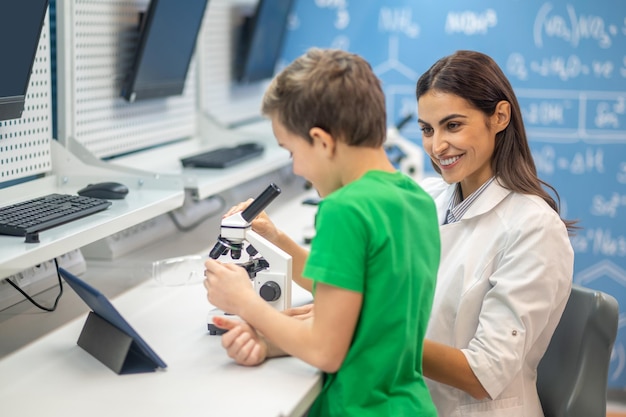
point(167, 39)
point(20, 29)
point(261, 41)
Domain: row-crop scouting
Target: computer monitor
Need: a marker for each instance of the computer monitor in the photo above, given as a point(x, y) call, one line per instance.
point(20, 29)
point(260, 41)
point(167, 38)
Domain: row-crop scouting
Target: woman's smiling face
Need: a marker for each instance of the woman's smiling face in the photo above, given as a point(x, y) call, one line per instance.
point(459, 138)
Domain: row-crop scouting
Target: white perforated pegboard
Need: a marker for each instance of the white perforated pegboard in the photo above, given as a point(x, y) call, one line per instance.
point(25, 142)
point(96, 43)
point(220, 98)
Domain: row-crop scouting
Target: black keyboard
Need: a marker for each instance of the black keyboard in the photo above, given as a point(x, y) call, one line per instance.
point(32, 216)
point(224, 157)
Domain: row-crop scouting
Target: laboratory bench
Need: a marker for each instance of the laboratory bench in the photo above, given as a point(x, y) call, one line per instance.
point(44, 371)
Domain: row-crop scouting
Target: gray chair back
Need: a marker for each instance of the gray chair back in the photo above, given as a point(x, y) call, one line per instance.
point(572, 376)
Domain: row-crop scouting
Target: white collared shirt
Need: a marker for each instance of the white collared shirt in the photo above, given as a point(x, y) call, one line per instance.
point(458, 206)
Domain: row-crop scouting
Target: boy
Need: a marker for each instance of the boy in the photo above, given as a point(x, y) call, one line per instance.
point(374, 258)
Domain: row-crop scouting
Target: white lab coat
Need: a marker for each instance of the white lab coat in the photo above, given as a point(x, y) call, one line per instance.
point(504, 279)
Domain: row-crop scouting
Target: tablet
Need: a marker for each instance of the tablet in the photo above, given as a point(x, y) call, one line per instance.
point(103, 308)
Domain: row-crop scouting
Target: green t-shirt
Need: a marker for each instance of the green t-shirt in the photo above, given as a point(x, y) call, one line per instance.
point(379, 236)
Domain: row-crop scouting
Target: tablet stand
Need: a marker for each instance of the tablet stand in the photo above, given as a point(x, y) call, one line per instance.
point(113, 347)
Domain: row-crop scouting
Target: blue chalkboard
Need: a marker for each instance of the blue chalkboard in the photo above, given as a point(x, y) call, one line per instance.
point(567, 63)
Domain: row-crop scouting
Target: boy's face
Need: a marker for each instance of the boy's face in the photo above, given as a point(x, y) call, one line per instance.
point(309, 159)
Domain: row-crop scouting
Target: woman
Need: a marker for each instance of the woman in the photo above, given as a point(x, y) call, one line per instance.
point(507, 262)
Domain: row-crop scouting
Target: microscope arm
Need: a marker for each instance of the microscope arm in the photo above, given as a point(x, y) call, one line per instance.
point(279, 273)
point(276, 257)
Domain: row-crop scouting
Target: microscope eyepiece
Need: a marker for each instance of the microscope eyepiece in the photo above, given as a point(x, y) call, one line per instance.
point(259, 203)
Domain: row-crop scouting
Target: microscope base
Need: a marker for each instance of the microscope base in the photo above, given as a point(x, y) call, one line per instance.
point(213, 329)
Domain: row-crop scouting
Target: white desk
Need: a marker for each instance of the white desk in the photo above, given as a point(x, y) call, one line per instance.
point(149, 196)
point(164, 160)
point(55, 377)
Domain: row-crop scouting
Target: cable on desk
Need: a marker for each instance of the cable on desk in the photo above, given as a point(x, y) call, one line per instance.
point(35, 303)
point(202, 219)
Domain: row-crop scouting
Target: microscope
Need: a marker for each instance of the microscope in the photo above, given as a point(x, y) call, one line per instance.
point(405, 155)
point(268, 267)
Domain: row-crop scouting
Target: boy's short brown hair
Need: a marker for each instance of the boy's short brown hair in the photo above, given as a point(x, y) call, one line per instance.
point(334, 90)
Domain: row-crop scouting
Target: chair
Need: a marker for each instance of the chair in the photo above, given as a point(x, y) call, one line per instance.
point(572, 376)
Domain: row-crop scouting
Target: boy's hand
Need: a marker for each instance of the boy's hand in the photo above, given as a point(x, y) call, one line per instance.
point(301, 313)
point(228, 286)
point(242, 342)
point(261, 223)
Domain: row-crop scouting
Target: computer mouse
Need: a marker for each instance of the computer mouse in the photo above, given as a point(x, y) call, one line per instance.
point(105, 190)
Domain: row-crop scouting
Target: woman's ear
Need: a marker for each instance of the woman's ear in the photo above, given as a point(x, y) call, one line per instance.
point(501, 116)
point(323, 139)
